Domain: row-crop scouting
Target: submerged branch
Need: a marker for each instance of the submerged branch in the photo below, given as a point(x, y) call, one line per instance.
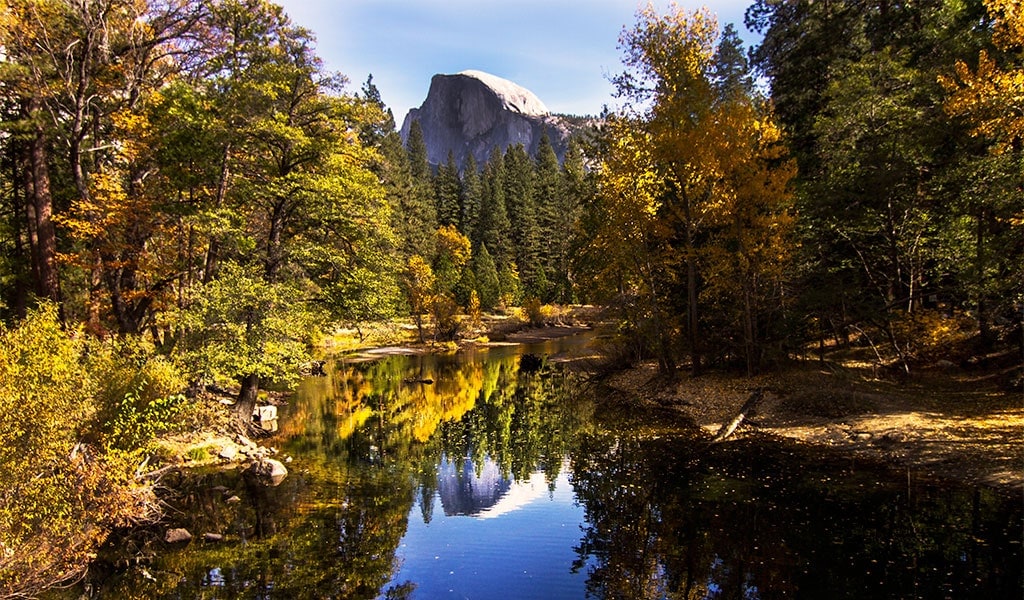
point(748, 407)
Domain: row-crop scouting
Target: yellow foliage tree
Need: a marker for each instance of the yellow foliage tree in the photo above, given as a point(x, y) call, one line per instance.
point(990, 96)
point(700, 170)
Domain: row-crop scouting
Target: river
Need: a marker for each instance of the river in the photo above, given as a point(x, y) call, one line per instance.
point(498, 474)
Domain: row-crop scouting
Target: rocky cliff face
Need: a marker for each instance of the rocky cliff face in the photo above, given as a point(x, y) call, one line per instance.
point(471, 112)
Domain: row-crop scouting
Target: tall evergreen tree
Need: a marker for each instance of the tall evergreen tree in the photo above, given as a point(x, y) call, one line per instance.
point(731, 71)
point(549, 199)
point(493, 228)
point(447, 192)
point(470, 201)
point(417, 149)
point(417, 209)
point(522, 215)
point(577, 189)
point(413, 215)
point(487, 284)
point(375, 129)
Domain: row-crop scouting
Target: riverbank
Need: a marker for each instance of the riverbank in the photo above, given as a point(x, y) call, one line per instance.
point(942, 422)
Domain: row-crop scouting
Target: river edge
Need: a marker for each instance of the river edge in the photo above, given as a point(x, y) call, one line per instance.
point(947, 424)
point(942, 423)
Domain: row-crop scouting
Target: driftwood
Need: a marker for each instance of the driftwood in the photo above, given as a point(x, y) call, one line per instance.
point(157, 474)
point(748, 407)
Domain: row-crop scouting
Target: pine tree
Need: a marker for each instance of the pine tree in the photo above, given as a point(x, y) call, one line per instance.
point(549, 202)
point(447, 192)
point(577, 188)
point(487, 284)
point(731, 71)
point(420, 210)
point(493, 228)
point(412, 216)
point(382, 123)
point(522, 216)
point(469, 201)
point(417, 149)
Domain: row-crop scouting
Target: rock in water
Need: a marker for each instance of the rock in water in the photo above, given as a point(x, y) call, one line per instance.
point(471, 112)
point(266, 471)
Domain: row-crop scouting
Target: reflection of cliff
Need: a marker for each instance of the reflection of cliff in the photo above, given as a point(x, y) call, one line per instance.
point(464, 491)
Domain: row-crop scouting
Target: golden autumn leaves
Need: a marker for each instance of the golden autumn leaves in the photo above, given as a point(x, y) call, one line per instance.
point(695, 188)
point(990, 97)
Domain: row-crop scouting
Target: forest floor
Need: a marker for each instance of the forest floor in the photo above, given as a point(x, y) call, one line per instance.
point(944, 422)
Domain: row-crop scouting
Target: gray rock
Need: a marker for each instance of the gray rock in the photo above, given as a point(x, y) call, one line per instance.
point(266, 471)
point(212, 537)
point(228, 453)
point(177, 535)
point(471, 112)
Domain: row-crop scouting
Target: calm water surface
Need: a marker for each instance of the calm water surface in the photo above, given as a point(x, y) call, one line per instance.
point(493, 475)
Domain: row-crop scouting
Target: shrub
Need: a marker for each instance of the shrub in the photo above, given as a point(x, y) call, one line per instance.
point(534, 311)
point(47, 483)
point(446, 318)
point(60, 491)
point(930, 335)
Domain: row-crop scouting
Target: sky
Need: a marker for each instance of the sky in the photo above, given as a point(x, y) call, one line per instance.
point(564, 51)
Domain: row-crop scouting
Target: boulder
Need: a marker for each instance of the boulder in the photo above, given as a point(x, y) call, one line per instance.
point(471, 112)
point(267, 472)
point(265, 413)
point(177, 535)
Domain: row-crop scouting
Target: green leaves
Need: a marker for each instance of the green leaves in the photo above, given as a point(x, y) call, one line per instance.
point(240, 324)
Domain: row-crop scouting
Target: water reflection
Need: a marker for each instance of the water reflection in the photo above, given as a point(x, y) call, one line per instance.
point(466, 491)
point(494, 481)
point(752, 520)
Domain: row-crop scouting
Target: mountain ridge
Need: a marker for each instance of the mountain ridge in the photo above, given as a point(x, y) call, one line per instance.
point(471, 112)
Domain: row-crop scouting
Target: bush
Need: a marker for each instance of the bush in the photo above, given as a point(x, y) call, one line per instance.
point(446, 318)
point(929, 335)
point(534, 311)
point(46, 487)
point(69, 431)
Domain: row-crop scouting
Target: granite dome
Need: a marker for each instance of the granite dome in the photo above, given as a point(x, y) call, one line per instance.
point(470, 113)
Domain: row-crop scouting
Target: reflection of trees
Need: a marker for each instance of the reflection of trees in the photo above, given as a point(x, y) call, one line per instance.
point(330, 533)
point(369, 439)
point(664, 521)
point(524, 421)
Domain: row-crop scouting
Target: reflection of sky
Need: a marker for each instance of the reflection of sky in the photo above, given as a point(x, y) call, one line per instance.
point(525, 544)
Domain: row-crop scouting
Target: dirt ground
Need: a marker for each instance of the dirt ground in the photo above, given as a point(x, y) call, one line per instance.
point(942, 422)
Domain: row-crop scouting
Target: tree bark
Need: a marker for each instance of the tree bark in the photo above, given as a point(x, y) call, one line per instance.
point(247, 398)
point(39, 209)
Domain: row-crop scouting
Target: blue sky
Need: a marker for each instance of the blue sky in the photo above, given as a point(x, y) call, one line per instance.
point(562, 50)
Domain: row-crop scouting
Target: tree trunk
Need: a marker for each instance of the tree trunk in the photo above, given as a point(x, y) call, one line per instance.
point(693, 322)
point(748, 407)
point(247, 398)
point(749, 331)
point(39, 209)
point(984, 324)
point(274, 251)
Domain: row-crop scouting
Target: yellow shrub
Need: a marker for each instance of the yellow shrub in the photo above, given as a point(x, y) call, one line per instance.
point(932, 335)
point(60, 492)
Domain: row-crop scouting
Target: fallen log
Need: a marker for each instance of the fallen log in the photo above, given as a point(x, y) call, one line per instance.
point(748, 407)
